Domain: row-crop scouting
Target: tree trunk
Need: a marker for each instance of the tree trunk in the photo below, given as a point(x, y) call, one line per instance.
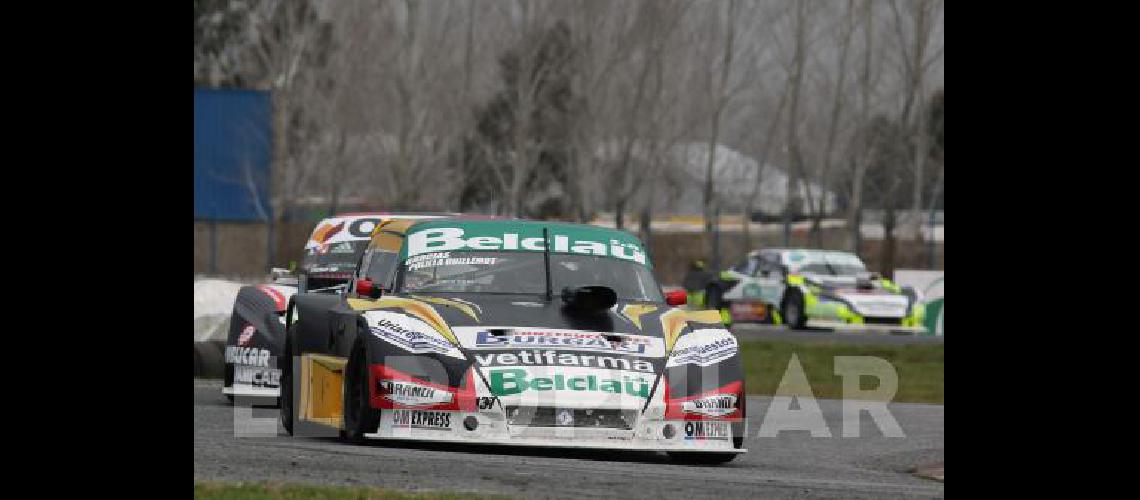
point(619, 214)
point(718, 106)
point(795, 162)
point(887, 253)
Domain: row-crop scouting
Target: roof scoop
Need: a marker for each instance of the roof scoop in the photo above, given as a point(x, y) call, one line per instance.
point(589, 299)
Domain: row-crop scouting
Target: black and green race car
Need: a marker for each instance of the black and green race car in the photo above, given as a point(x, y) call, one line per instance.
point(808, 288)
point(516, 333)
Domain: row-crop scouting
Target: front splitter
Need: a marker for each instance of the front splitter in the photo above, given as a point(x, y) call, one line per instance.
point(551, 443)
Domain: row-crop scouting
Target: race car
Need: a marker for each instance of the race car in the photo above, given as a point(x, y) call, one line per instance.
point(517, 333)
point(811, 288)
point(257, 323)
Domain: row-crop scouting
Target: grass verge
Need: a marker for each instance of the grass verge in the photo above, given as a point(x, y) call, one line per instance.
point(919, 366)
point(249, 491)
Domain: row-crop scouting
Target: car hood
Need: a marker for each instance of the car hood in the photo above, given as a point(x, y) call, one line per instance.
point(534, 353)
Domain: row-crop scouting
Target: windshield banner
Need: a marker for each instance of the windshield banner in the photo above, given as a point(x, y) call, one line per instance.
point(486, 236)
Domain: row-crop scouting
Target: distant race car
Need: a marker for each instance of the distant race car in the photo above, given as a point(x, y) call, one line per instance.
point(513, 332)
point(811, 288)
point(257, 323)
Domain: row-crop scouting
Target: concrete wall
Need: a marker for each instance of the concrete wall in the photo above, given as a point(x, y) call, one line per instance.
point(240, 249)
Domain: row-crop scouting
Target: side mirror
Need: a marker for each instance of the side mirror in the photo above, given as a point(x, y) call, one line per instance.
point(676, 298)
point(365, 288)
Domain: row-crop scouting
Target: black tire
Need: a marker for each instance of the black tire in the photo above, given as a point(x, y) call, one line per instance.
point(285, 402)
point(713, 298)
point(792, 309)
point(359, 416)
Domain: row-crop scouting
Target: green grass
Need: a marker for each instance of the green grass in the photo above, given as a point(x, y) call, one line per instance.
point(919, 367)
point(244, 491)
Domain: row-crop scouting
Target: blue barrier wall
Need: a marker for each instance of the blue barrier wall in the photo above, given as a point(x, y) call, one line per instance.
point(232, 151)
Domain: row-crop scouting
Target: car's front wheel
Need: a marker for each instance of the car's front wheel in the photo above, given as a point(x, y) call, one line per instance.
point(285, 401)
point(793, 310)
point(359, 416)
point(712, 297)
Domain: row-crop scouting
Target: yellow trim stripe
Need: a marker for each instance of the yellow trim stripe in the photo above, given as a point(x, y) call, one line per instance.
point(414, 307)
point(633, 312)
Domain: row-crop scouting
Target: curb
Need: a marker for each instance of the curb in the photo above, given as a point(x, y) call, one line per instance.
point(209, 359)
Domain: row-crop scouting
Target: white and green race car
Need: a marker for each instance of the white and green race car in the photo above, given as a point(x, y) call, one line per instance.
point(810, 288)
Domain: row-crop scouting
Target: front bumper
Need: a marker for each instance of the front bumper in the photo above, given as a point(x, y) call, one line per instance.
point(646, 436)
point(837, 315)
point(862, 327)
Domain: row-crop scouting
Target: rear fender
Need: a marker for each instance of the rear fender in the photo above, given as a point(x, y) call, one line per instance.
point(254, 307)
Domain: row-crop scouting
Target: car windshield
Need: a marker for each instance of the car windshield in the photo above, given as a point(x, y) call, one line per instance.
point(525, 273)
point(833, 269)
point(827, 263)
point(340, 256)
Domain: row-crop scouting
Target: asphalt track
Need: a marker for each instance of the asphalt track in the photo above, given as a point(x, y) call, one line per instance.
point(754, 331)
point(792, 465)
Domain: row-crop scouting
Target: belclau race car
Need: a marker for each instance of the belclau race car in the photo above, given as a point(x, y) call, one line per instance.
point(812, 288)
point(257, 323)
point(514, 332)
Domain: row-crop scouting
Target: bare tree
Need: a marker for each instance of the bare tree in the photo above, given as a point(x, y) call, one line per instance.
point(719, 97)
point(795, 85)
point(836, 117)
point(915, 59)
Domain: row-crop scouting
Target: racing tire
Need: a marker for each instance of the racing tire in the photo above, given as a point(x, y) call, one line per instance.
point(792, 309)
point(713, 298)
point(359, 416)
point(285, 402)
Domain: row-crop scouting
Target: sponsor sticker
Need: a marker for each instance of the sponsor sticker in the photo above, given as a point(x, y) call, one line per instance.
point(409, 334)
point(508, 381)
point(505, 338)
point(704, 348)
point(552, 358)
point(704, 429)
point(562, 240)
point(257, 377)
point(716, 405)
point(416, 419)
point(441, 259)
point(413, 394)
point(246, 335)
point(249, 356)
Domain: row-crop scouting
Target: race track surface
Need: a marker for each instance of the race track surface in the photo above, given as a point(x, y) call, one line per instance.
point(756, 331)
point(793, 465)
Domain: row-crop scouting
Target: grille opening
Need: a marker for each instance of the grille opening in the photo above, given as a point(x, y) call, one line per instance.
point(548, 416)
point(883, 321)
